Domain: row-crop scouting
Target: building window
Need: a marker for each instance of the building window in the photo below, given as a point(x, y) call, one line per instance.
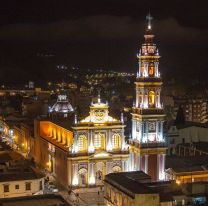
point(40, 185)
point(17, 187)
point(151, 69)
point(116, 141)
point(82, 143)
point(151, 98)
point(99, 141)
point(6, 188)
point(27, 186)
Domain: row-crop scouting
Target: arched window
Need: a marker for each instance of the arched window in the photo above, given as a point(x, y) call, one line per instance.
point(151, 69)
point(82, 177)
point(82, 143)
point(151, 98)
point(116, 141)
point(99, 141)
point(54, 133)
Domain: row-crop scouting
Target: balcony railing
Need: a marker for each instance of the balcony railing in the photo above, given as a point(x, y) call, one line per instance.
point(148, 111)
point(149, 79)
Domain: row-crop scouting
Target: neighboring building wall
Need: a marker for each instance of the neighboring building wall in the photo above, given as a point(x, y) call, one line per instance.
point(115, 197)
point(52, 148)
point(36, 187)
point(195, 108)
point(187, 134)
point(61, 170)
point(186, 177)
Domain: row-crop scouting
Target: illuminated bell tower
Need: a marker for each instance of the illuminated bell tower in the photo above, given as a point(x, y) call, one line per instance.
point(147, 145)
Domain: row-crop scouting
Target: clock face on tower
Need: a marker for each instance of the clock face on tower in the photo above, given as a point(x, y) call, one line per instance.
point(151, 131)
point(99, 114)
point(152, 127)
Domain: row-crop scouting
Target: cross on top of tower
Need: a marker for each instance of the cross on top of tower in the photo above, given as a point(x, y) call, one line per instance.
point(149, 18)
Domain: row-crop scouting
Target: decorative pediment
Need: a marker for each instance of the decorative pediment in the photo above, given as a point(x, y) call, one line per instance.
point(101, 155)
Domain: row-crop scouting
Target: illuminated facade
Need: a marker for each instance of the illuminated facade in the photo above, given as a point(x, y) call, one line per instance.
point(147, 145)
point(80, 154)
point(52, 148)
point(98, 148)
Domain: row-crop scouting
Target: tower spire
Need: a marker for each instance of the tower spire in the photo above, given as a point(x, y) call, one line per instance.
point(149, 19)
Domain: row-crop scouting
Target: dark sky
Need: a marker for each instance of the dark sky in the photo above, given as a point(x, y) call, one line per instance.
point(100, 34)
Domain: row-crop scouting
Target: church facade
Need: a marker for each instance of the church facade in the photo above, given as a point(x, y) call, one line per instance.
point(99, 147)
point(80, 154)
point(147, 145)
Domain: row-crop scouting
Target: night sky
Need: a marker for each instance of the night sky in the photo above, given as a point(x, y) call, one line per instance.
point(100, 34)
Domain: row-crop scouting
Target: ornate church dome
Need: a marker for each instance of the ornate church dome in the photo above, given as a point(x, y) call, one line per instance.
point(62, 105)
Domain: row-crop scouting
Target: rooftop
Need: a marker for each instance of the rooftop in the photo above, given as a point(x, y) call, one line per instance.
point(40, 200)
point(192, 124)
point(129, 182)
point(187, 164)
point(13, 168)
point(137, 182)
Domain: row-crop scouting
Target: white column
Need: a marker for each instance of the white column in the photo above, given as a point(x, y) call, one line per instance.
point(139, 68)
point(146, 69)
point(137, 97)
point(161, 130)
point(156, 98)
point(159, 103)
point(156, 68)
point(138, 162)
point(91, 174)
point(75, 181)
point(140, 132)
point(75, 148)
point(88, 138)
point(161, 166)
point(146, 99)
point(133, 129)
point(157, 132)
point(133, 162)
point(109, 140)
point(91, 145)
point(123, 144)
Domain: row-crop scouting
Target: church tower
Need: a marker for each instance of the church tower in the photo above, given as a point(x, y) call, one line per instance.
point(147, 145)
